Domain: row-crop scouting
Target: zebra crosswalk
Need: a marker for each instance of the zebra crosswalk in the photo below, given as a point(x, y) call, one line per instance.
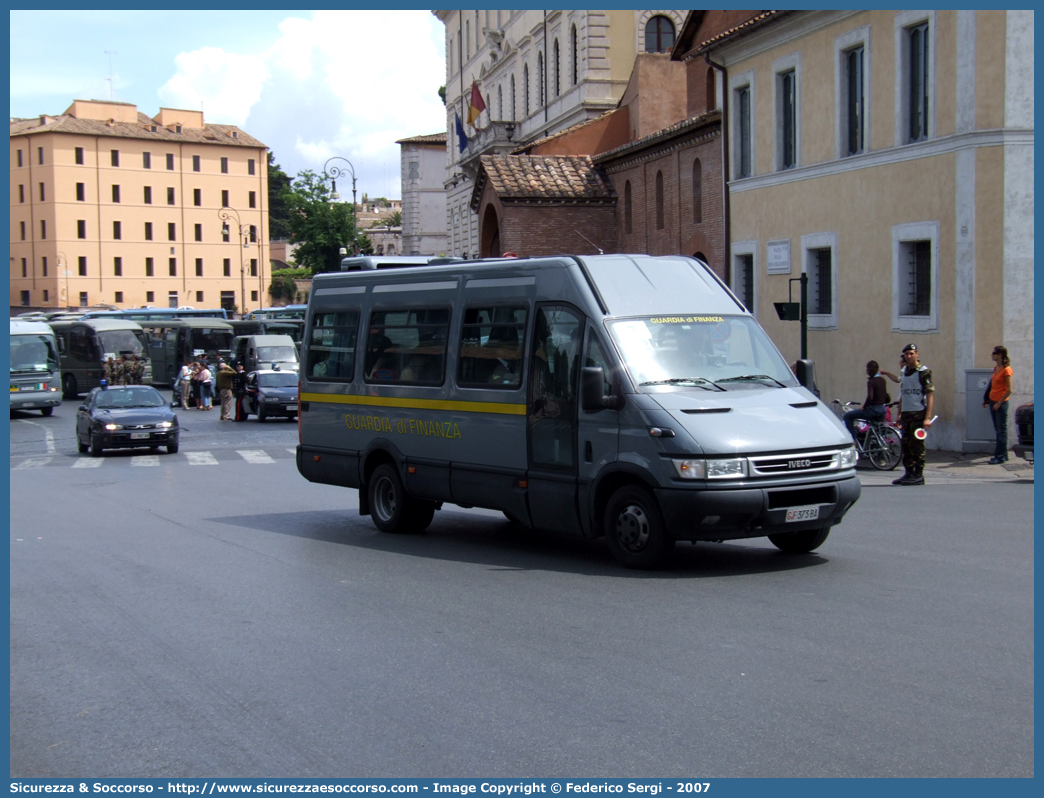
point(146, 459)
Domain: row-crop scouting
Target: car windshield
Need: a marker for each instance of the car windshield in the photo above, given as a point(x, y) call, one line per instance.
point(31, 353)
point(276, 354)
point(701, 350)
point(129, 397)
point(287, 380)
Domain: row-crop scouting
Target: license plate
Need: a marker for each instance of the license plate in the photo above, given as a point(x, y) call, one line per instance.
point(802, 514)
point(140, 436)
point(291, 407)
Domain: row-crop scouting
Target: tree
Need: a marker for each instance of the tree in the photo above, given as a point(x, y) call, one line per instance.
point(278, 215)
point(318, 224)
point(283, 287)
point(442, 94)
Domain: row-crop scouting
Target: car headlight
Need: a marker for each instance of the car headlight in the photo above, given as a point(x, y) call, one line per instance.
point(848, 458)
point(732, 468)
point(165, 424)
point(113, 426)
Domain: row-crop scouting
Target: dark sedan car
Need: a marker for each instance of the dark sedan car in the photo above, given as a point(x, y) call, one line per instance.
point(271, 393)
point(124, 416)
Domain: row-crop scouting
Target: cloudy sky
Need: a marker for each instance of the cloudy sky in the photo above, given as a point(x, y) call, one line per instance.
point(309, 84)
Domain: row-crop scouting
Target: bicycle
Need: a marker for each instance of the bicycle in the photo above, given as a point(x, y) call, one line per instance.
point(877, 441)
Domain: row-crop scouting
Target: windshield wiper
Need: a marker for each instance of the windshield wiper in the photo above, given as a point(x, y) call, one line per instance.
point(753, 377)
point(697, 381)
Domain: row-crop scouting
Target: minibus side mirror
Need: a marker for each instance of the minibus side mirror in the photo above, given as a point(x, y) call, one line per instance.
point(592, 391)
point(805, 371)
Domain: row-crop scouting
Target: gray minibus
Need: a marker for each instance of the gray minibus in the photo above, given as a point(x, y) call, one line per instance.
point(255, 352)
point(84, 346)
point(36, 376)
point(173, 341)
point(367, 262)
point(628, 397)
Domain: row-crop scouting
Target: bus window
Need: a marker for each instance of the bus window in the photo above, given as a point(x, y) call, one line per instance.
point(331, 355)
point(491, 347)
point(407, 346)
point(122, 342)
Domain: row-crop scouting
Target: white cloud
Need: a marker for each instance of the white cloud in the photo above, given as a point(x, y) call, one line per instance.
point(226, 85)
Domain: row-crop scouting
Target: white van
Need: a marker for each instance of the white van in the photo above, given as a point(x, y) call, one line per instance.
point(620, 396)
point(265, 352)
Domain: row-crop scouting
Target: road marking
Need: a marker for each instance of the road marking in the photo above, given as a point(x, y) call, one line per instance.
point(48, 435)
point(145, 460)
point(201, 458)
point(33, 462)
point(292, 451)
point(255, 456)
point(88, 462)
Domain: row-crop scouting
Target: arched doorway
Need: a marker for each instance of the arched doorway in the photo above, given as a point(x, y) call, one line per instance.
point(490, 244)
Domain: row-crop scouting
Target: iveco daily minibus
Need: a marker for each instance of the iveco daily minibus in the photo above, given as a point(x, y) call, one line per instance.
point(620, 396)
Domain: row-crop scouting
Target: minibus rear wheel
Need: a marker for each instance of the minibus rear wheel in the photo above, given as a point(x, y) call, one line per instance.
point(634, 529)
point(800, 542)
point(392, 508)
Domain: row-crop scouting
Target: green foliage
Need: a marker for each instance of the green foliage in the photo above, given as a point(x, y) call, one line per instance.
point(442, 94)
point(320, 225)
point(283, 288)
point(295, 274)
point(278, 215)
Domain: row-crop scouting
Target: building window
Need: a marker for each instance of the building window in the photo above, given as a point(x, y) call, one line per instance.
point(115, 193)
point(742, 278)
point(226, 267)
point(81, 266)
point(786, 93)
point(119, 297)
point(197, 197)
point(199, 232)
point(225, 233)
point(659, 35)
point(43, 193)
point(224, 198)
point(697, 191)
point(557, 66)
point(253, 234)
point(199, 297)
point(252, 199)
point(146, 160)
point(21, 192)
point(117, 267)
point(114, 156)
point(150, 297)
point(117, 230)
point(22, 227)
point(525, 88)
point(513, 104)
point(83, 299)
point(224, 166)
point(150, 271)
point(915, 257)
point(40, 155)
point(917, 82)
point(43, 265)
point(172, 267)
point(253, 296)
point(196, 164)
point(628, 209)
point(170, 161)
point(172, 229)
point(19, 157)
point(659, 201)
point(467, 39)
point(744, 148)
point(148, 231)
point(25, 298)
point(46, 296)
point(250, 166)
point(43, 229)
point(25, 267)
point(172, 299)
point(79, 156)
point(199, 267)
point(541, 80)
point(574, 57)
point(170, 196)
point(712, 90)
point(253, 267)
point(148, 195)
point(854, 100)
point(81, 228)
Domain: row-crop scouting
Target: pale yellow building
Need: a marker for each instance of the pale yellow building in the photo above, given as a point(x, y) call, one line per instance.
point(110, 206)
point(888, 155)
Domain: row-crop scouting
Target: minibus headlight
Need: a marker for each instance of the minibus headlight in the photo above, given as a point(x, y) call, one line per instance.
point(848, 457)
point(732, 468)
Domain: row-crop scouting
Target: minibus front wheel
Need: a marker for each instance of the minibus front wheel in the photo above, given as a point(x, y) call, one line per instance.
point(634, 529)
point(392, 508)
point(800, 542)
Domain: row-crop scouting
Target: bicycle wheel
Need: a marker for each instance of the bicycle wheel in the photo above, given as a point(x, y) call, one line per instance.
point(885, 448)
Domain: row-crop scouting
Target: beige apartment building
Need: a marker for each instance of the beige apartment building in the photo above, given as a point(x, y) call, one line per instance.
point(888, 156)
point(110, 206)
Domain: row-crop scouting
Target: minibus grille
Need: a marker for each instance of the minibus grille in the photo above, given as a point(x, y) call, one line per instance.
point(801, 463)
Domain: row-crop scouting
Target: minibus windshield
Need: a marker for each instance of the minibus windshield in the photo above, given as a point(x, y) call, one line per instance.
point(277, 354)
point(32, 353)
point(711, 352)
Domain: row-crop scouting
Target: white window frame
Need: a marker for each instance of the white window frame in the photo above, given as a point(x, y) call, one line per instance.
point(744, 80)
point(860, 37)
point(781, 66)
point(809, 243)
point(902, 234)
point(737, 249)
point(904, 20)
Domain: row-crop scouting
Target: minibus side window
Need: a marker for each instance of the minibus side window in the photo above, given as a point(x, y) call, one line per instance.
point(331, 346)
point(554, 373)
point(407, 346)
point(491, 347)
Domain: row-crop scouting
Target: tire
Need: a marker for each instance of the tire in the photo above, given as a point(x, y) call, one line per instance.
point(800, 542)
point(261, 415)
point(96, 449)
point(392, 509)
point(46, 411)
point(888, 453)
point(172, 448)
point(634, 529)
point(81, 446)
point(69, 387)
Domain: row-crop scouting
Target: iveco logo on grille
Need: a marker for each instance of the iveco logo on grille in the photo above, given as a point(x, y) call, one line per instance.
point(792, 464)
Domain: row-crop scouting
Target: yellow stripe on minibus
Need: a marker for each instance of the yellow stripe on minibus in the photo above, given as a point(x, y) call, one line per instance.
point(501, 408)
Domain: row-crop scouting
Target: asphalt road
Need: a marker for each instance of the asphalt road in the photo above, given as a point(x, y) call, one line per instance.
point(211, 613)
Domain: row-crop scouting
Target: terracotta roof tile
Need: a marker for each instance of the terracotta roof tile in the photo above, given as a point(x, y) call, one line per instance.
point(546, 177)
point(740, 30)
point(208, 134)
point(431, 138)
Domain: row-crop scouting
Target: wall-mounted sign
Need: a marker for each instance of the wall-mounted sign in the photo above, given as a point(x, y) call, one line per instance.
point(777, 259)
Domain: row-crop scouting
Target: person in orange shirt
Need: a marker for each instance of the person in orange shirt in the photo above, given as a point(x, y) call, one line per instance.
point(997, 394)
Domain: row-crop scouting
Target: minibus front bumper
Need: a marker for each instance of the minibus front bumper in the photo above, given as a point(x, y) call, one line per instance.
point(720, 513)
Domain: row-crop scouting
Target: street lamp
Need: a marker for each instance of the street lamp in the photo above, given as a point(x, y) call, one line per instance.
point(334, 172)
point(226, 214)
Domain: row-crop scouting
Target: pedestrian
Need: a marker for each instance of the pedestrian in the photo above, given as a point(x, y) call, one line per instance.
point(225, 380)
point(239, 389)
point(183, 384)
point(877, 399)
point(109, 370)
point(998, 391)
point(916, 397)
point(206, 387)
point(194, 382)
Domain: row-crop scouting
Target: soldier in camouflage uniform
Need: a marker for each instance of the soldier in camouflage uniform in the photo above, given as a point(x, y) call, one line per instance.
point(109, 371)
point(915, 412)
